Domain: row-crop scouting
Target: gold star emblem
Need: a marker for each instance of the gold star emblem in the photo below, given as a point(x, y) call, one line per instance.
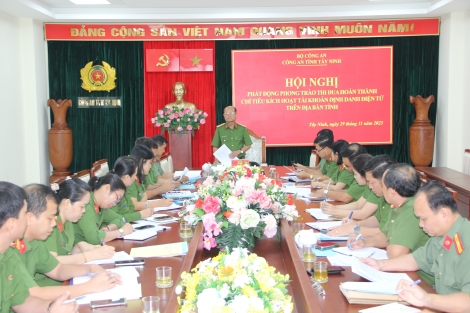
point(196, 60)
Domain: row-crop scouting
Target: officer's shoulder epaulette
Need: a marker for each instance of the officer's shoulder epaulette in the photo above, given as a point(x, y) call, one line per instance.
point(220, 125)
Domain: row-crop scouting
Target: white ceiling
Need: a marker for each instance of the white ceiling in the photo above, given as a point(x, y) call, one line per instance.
point(228, 11)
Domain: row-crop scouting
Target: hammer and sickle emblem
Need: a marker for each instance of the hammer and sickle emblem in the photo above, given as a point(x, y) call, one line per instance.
point(164, 60)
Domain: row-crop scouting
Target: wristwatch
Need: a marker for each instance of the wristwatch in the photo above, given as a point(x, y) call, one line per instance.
point(121, 231)
point(357, 229)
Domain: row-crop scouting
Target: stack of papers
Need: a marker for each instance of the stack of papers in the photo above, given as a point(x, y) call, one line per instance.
point(324, 225)
point(166, 250)
point(222, 154)
point(301, 191)
point(193, 176)
point(130, 288)
point(391, 308)
point(118, 256)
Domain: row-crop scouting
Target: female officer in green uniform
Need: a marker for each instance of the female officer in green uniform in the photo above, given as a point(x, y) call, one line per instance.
point(126, 168)
point(143, 157)
point(73, 196)
point(341, 178)
point(93, 227)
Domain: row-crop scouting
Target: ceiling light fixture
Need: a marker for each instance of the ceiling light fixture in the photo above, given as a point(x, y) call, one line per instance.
point(81, 2)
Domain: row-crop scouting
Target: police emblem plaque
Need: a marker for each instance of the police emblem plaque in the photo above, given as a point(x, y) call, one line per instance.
point(97, 77)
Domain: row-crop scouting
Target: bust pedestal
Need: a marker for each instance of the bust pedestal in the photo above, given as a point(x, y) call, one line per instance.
point(180, 149)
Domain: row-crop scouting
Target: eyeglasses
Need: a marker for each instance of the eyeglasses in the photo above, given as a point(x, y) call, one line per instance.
point(230, 113)
point(117, 197)
point(321, 149)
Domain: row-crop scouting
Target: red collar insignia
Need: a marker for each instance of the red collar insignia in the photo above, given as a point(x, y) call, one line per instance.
point(60, 226)
point(97, 208)
point(19, 245)
point(137, 180)
point(447, 243)
point(330, 159)
point(341, 167)
point(458, 244)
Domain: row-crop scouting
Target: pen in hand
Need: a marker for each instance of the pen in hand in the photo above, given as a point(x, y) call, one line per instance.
point(357, 238)
point(349, 218)
point(416, 282)
point(102, 242)
point(328, 186)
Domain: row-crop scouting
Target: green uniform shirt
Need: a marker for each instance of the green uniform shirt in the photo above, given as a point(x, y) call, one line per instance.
point(125, 208)
point(151, 178)
point(329, 168)
point(88, 227)
point(343, 176)
point(234, 139)
point(383, 212)
point(355, 190)
point(61, 243)
point(370, 196)
point(13, 288)
point(320, 164)
point(136, 190)
point(451, 270)
point(37, 259)
point(403, 227)
point(157, 168)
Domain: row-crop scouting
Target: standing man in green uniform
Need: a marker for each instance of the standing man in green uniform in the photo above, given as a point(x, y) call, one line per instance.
point(233, 135)
point(42, 208)
point(402, 233)
point(14, 292)
point(445, 255)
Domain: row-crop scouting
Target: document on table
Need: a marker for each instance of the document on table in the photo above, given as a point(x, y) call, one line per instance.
point(173, 206)
point(324, 225)
point(118, 256)
point(301, 191)
point(324, 237)
point(370, 287)
point(186, 186)
point(339, 260)
point(391, 308)
point(374, 275)
point(141, 234)
point(379, 254)
point(192, 175)
point(179, 174)
point(222, 154)
point(160, 218)
point(298, 180)
point(319, 214)
point(130, 288)
point(166, 250)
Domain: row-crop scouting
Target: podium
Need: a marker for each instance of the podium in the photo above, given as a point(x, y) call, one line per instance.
point(180, 149)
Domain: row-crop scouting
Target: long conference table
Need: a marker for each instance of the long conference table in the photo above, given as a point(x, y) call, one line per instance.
point(283, 255)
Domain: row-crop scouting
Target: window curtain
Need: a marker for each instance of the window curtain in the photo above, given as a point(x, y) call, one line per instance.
point(200, 88)
point(99, 133)
point(415, 66)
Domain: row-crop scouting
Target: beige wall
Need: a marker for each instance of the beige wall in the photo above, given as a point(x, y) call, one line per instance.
point(23, 91)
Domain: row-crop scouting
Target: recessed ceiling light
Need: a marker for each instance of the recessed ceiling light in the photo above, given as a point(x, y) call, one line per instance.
point(90, 1)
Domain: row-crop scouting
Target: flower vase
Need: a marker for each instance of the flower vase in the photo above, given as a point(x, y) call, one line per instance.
point(60, 140)
point(421, 132)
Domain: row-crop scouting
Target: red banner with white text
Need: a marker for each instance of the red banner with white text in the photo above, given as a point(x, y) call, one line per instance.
point(243, 31)
point(289, 95)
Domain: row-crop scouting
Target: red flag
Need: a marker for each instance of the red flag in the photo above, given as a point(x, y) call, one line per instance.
point(196, 60)
point(162, 60)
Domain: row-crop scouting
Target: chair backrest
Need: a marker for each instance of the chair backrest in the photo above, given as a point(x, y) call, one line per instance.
point(83, 175)
point(166, 162)
point(466, 162)
point(257, 152)
point(314, 159)
point(103, 168)
point(424, 179)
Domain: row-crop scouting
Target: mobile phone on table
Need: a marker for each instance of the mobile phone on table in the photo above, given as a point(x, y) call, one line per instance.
point(135, 262)
point(335, 270)
point(105, 303)
point(326, 245)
